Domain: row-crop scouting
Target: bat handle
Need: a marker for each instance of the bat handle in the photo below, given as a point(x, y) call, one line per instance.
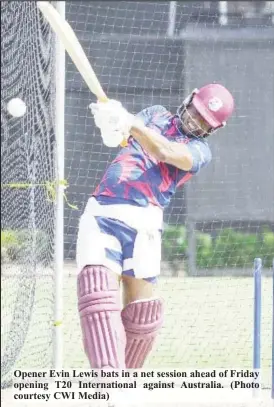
point(124, 143)
point(104, 99)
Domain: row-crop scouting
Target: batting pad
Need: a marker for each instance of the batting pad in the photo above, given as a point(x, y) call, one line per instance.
point(142, 321)
point(100, 313)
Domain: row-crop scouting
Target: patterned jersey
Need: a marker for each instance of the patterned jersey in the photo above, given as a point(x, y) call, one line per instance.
point(137, 178)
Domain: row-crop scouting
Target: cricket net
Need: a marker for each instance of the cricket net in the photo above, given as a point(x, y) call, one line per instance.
point(28, 180)
point(144, 53)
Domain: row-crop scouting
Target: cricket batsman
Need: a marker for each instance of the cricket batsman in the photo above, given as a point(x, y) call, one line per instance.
point(119, 238)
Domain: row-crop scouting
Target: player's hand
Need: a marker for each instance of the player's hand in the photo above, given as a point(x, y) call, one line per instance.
point(113, 120)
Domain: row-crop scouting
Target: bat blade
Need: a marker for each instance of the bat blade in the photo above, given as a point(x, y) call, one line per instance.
point(73, 47)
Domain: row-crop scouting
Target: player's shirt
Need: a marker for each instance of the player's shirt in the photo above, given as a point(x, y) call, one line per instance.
point(135, 177)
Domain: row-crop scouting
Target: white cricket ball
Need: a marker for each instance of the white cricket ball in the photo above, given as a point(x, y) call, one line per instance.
point(16, 107)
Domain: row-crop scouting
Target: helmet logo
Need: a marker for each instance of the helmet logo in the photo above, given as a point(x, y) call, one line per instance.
point(215, 104)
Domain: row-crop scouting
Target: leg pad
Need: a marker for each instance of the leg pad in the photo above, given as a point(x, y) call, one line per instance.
point(100, 315)
point(142, 321)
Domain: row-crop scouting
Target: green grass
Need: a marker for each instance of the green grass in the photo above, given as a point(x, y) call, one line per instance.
point(208, 323)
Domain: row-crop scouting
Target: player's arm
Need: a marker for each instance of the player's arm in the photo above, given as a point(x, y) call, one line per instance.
point(159, 147)
point(115, 121)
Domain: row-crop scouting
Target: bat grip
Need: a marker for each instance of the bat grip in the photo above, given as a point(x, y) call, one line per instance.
point(103, 99)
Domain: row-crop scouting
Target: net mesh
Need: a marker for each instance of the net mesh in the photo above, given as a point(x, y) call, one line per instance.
point(147, 53)
point(27, 176)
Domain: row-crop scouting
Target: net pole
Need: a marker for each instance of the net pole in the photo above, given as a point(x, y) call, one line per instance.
point(257, 316)
point(32, 205)
point(272, 379)
point(59, 233)
point(171, 19)
point(272, 16)
point(223, 11)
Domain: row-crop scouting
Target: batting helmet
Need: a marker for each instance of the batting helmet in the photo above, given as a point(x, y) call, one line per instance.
point(213, 102)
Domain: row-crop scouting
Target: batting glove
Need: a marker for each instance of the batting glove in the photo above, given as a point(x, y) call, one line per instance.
point(113, 120)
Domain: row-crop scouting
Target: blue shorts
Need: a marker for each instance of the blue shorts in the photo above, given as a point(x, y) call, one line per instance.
point(126, 236)
point(120, 247)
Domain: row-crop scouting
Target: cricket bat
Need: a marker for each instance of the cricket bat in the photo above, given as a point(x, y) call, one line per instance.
point(73, 47)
